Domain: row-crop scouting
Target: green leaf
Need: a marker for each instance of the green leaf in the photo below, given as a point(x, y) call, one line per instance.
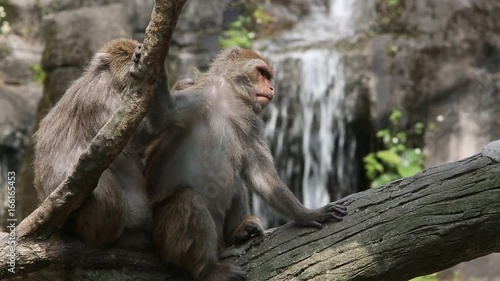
point(383, 179)
point(372, 166)
point(396, 115)
point(396, 159)
point(401, 136)
point(237, 34)
point(385, 135)
point(414, 156)
point(389, 158)
point(38, 73)
point(419, 128)
point(392, 2)
point(408, 171)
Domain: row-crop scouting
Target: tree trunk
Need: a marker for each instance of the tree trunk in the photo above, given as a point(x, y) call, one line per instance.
point(410, 227)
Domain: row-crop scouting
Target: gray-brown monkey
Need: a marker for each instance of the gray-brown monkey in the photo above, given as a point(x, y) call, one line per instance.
point(198, 172)
point(119, 204)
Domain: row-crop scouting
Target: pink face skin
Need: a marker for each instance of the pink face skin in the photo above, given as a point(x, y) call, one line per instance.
point(265, 90)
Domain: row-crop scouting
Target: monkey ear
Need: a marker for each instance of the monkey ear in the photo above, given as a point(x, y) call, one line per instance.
point(196, 73)
point(234, 53)
point(102, 58)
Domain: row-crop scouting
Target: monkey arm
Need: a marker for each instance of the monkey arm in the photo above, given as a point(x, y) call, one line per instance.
point(187, 107)
point(156, 119)
point(174, 108)
point(261, 177)
point(161, 103)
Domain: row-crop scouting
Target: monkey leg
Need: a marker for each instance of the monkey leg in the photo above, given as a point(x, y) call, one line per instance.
point(248, 228)
point(239, 225)
point(185, 235)
point(101, 219)
point(136, 238)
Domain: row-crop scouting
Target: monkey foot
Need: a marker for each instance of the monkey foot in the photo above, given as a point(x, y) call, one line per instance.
point(137, 53)
point(335, 211)
point(247, 229)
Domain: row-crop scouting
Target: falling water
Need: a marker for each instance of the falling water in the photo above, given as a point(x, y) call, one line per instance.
point(305, 123)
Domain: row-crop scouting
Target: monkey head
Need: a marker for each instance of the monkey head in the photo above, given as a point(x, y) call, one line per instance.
point(115, 55)
point(249, 73)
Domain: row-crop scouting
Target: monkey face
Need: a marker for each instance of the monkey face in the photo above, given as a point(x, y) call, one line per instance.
point(249, 73)
point(264, 88)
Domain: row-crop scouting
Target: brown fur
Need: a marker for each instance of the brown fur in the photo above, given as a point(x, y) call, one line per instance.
point(248, 228)
point(119, 202)
point(198, 171)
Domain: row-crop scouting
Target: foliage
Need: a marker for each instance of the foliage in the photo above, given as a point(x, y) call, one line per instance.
point(238, 34)
point(38, 73)
point(261, 17)
point(389, 12)
point(392, 50)
point(396, 160)
point(458, 277)
point(243, 31)
point(392, 2)
point(4, 24)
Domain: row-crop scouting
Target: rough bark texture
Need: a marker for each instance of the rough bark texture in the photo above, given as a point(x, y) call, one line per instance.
point(410, 227)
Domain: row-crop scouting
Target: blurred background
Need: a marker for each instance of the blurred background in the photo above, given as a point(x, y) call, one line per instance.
point(368, 91)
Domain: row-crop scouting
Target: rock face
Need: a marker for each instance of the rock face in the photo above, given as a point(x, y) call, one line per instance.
point(19, 95)
point(68, 51)
point(446, 70)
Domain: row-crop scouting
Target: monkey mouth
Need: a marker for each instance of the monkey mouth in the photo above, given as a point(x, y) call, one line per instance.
point(267, 96)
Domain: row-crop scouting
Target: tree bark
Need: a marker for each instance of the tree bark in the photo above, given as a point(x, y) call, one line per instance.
point(410, 227)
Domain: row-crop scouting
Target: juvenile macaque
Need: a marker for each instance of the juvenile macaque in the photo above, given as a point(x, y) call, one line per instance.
point(119, 204)
point(198, 172)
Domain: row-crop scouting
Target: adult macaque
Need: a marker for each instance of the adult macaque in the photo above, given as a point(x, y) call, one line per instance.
point(198, 172)
point(119, 204)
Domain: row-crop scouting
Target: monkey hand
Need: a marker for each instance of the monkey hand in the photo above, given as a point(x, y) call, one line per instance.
point(137, 53)
point(248, 228)
point(328, 213)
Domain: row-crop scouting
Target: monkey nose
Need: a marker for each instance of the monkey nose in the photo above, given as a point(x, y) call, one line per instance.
point(271, 88)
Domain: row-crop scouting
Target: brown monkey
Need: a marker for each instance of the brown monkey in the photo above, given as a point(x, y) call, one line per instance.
point(198, 172)
point(119, 204)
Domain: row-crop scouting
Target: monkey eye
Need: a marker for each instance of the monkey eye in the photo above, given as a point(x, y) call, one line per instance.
point(264, 72)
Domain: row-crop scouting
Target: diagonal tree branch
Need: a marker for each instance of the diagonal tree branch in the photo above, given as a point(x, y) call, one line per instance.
point(115, 134)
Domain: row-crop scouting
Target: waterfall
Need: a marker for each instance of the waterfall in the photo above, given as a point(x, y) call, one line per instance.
point(305, 124)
